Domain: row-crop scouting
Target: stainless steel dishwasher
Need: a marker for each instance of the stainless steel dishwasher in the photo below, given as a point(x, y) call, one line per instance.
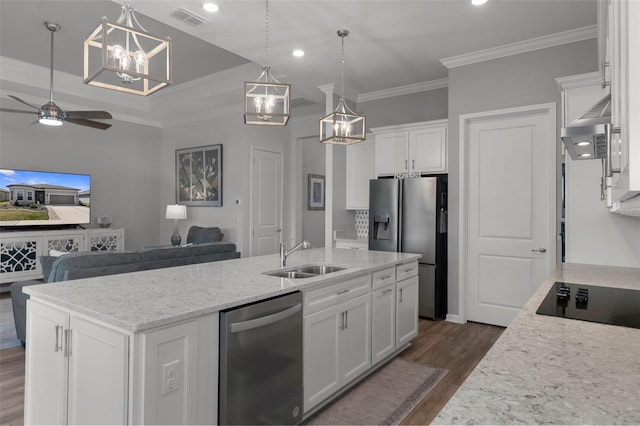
point(261, 363)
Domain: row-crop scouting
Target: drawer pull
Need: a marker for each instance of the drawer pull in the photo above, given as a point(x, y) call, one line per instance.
point(386, 291)
point(386, 277)
point(346, 290)
point(58, 346)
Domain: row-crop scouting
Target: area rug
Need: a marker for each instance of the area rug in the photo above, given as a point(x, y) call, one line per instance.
point(8, 337)
point(384, 398)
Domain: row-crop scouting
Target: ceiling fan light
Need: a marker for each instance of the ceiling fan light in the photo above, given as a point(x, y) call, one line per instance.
point(50, 121)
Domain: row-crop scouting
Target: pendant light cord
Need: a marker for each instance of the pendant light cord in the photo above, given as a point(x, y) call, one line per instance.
point(266, 36)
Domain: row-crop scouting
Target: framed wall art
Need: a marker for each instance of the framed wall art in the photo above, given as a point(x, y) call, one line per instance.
point(199, 176)
point(315, 192)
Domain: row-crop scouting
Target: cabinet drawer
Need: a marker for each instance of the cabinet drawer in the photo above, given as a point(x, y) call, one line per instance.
point(383, 278)
point(331, 295)
point(407, 270)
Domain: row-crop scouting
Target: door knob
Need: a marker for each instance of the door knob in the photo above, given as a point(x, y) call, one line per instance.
point(541, 250)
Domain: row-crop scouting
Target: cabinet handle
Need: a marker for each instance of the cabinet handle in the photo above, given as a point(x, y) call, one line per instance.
point(406, 164)
point(386, 277)
point(67, 342)
point(58, 346)
point(604, 83)
point(413, 164)
point(346, 290)
point(387, 291)
point(346, 319)
point(401, 295)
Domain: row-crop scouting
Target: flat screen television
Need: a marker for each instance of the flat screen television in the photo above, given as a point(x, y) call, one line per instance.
point(31, 198)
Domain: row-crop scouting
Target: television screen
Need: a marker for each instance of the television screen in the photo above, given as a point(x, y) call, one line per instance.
point(34, 198)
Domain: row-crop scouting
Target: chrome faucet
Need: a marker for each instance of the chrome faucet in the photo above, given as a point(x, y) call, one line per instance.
point(284, 253)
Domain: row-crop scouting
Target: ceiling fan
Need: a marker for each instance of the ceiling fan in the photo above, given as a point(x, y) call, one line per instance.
point(52, 115)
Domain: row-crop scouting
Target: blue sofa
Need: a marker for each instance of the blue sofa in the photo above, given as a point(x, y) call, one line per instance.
point(77, 265)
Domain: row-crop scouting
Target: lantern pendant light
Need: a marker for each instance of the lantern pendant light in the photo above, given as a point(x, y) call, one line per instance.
point(266, 101)
point(342, 126)
point(123, 56)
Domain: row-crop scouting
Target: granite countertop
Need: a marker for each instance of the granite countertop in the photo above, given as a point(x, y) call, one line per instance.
point(552, 370)
point(143, 300)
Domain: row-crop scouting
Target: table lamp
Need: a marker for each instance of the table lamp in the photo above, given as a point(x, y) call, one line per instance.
point(176, 212)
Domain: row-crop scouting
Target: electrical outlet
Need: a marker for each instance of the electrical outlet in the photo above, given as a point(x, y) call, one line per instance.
point(171, 376)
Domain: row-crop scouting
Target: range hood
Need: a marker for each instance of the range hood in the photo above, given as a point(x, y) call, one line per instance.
point(586, 137)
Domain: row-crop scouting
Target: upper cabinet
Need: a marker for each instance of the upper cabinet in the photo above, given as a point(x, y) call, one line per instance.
point(360, 169)
point(622, 54)
point(416, 148)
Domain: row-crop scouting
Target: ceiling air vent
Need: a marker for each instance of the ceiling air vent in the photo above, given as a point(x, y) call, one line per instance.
point(189, 17)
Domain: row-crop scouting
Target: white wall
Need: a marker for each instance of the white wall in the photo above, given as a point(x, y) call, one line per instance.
point(593, 235)
point(518, 80)
point(410, 108)
point(313, 161)
point(123, 162)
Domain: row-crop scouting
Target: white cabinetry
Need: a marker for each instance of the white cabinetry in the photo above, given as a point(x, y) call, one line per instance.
point(66, 356)
point(337, 333)
point(406, 311)
point(417, 148)
point(20, 251)
point(623, 55)
point(383, 315)
point(360, 169)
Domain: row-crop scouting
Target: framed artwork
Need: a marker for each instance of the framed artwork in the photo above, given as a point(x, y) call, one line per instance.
point(199, 176)
point(315, 192)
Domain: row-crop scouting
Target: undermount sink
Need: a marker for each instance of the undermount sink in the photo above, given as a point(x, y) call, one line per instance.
point(307, 271)
point(319, 269)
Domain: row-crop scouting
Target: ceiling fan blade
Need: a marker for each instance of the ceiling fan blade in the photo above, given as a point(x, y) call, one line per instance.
point(88, 114)
point(24, 102)
point(17, 110)
point(89, 123)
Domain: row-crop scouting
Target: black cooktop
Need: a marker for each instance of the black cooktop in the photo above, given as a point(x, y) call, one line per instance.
point(616, 306)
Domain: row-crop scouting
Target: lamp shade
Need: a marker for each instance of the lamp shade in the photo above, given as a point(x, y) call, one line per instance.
point(176, 212)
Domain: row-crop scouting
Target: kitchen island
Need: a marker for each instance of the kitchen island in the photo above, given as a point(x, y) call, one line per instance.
point(551, 370)
point(143, 347)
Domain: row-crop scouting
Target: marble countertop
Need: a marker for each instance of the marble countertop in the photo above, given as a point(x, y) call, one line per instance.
point(549, 370)
point(143, 300)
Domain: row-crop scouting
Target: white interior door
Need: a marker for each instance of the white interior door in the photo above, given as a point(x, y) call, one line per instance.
point(510, 209)
point(266, 201)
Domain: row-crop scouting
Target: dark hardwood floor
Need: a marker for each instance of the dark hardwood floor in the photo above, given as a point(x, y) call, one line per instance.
point(455, 347)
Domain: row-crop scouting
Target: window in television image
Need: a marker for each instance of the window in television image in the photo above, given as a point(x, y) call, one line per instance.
point(29, 198)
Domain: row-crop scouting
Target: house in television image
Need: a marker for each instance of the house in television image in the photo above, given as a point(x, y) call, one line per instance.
point(4, 195)
point(25, 194)
point(85, 197)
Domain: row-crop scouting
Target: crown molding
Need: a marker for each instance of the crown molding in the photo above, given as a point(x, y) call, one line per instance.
point(580, 80)
point(404, 90)
point(551, 40)
point(331, 88)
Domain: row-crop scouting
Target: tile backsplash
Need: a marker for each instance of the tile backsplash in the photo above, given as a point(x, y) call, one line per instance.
point(362, 223)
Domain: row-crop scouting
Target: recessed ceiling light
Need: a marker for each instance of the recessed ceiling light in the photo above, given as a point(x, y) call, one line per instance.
point(583, 143)
point(210, 6)
point(478, 2)
point(298, 53)
point(586, 154)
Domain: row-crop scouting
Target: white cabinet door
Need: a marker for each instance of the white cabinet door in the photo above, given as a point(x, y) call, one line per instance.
point(428, 150)
point(406, 311)
point(392, 153)
point(75, 372)
point(321, 355)
point(97, 374)
point(355, 339)
point(360, 169)
point(45, 365)
point(383, 323)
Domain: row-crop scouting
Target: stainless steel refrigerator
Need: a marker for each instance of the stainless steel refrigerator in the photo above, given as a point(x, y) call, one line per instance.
point(410, 215)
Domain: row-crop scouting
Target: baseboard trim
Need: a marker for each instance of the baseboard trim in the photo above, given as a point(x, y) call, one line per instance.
point(455, 318)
